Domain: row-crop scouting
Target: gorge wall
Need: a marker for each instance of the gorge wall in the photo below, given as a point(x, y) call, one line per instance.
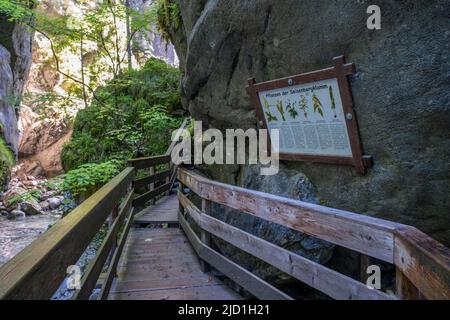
point(44, 134)
point(401, 94)
point(15, 62)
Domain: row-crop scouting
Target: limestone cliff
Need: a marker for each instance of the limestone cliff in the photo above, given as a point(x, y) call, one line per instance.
point(15, 61)
point(401, 93)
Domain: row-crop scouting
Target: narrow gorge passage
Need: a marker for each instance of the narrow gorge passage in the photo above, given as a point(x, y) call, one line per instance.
point(236, 150)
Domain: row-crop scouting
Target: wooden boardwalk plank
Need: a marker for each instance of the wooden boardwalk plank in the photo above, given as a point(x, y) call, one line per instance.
point(164, 211)
point(160, 264)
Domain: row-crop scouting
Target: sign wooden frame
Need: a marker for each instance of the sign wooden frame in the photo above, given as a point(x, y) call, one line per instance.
point(340, 71)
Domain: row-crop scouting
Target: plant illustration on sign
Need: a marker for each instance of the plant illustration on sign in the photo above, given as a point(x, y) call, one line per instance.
point(270, 117)
point(281, 110)
point(291, 109)
point(304, 106)
point(333, 102)
point(317, 105)
point(266, 103)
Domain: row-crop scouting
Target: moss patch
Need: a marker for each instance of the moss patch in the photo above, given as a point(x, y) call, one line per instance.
point(6, 162)
point(168, 18)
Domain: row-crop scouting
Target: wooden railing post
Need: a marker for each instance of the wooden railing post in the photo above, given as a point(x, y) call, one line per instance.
point(405, 288)
point(151, 187)
point(364, 263)
point(113, 216)
point(206, 236)
point(180, 205)
point(168, 178)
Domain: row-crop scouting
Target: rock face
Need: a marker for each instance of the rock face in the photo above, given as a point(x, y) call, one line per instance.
point(41, 142)
point(8, 118)
point(15, 62)
point(401, 92)
point(150, 44)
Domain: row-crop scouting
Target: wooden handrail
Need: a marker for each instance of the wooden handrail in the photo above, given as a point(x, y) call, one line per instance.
point(147, 162)
point(38, 271)
point(169, 175)
point(423, 262)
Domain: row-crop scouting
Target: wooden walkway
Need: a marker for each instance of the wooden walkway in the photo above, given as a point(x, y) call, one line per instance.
point(164, 211)
point(160, 264)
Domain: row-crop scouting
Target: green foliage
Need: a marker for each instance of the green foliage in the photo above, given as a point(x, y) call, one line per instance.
point(18, 10)
point(99, 26)
point(168, 17)
point(32, 195)
point(88, 178)
point(54, 184)
point(134, 119)
point(6, 160)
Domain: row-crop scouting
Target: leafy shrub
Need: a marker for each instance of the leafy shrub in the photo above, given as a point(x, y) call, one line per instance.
point(88, 178)
point(134, 117)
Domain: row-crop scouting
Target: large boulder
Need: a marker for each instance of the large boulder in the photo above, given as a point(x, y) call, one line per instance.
point(31, 207)
point(401, 92)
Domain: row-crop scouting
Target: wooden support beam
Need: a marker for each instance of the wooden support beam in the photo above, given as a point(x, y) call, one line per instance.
point(364, 263)
point(205, 236)
point(405, 289)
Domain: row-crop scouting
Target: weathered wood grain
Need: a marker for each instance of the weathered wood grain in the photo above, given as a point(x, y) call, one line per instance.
point(424, 261)
point(405, 289)
point(421, 260)
point(328, 281)
point(160, 264)
point(364, 234)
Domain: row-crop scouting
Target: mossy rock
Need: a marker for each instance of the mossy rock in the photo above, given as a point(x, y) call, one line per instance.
point(6, 162)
